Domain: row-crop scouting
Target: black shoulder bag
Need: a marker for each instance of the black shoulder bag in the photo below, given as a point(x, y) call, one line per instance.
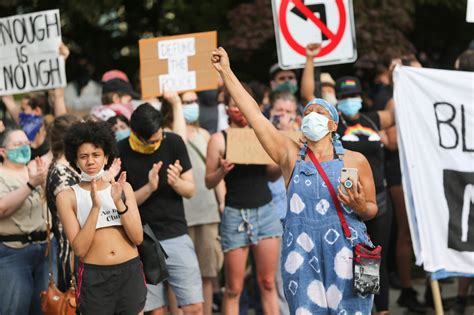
point(153, 257)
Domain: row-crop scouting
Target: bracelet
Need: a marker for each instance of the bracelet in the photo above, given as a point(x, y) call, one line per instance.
point(30, 186)
point(124, 211)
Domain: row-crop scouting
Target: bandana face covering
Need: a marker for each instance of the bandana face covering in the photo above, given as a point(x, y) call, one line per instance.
point(236, 116)
point(31, 124)
point(137, 145)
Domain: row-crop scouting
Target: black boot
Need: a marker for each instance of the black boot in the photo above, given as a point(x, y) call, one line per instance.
point(408, 299)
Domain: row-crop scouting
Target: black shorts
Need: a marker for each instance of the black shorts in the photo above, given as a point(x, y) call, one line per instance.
point(115, 289)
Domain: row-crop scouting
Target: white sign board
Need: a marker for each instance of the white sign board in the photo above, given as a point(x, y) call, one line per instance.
point(29, 53)
point(177, 51)
point(301, 22)
point(470, 11)
point(435, 124)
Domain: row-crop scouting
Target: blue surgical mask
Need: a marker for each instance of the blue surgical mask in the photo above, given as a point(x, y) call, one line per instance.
point(315, 126)
point(191, 112)
point(350, 106)
point(122, 134)
point(20, 155)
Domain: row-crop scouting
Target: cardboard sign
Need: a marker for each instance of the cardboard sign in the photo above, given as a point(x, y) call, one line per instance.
point(177, 63)
point(29, 53)
point(243, 146)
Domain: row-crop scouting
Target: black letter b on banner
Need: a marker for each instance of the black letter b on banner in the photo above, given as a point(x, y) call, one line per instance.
point(459, 192)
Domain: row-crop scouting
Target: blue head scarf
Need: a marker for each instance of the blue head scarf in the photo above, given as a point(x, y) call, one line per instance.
point(334, 115)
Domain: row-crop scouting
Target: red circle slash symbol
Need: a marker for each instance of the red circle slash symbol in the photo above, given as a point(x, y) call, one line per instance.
point(334, 39)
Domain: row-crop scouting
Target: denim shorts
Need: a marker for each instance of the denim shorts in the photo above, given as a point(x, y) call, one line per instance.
point(185, 276)
point(245, 227)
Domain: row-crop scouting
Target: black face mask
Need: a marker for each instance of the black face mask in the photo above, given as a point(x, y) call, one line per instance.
point(40, 151)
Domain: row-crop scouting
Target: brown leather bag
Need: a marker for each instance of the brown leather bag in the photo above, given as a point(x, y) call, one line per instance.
point(53, 301)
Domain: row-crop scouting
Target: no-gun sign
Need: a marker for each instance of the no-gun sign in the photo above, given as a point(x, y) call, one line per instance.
point(301, 22)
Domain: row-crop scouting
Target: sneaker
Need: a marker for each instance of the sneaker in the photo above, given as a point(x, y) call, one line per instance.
point(408, 299)
point(459, 307)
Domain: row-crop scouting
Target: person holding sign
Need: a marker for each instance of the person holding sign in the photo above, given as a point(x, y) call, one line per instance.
point(316, 256)
point(249, 218)
point(103, 225)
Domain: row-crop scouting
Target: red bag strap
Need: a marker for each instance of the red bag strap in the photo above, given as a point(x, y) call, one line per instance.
point(340, 213)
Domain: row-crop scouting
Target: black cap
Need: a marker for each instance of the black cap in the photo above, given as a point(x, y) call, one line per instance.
point(119, 85)
point(347, 86)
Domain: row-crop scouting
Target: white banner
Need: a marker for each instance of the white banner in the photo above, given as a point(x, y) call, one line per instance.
point(435, 122)
point(29, 53)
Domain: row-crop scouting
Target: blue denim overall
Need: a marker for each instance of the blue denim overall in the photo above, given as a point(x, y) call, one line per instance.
point(316, 256)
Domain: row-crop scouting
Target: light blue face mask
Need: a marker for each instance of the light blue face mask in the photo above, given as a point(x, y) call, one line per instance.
point(315, 126)
point(122, 134)
point(350, 106)
point(191, 112)
point(20, 155)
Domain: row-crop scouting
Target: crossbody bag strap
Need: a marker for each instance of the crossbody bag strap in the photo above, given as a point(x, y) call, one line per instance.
point(195, 148)
point(340, 213)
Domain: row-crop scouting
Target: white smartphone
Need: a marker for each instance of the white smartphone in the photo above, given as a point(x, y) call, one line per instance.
point(349, 178)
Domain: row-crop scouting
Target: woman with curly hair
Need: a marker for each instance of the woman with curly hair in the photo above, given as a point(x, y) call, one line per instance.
point(102, 223)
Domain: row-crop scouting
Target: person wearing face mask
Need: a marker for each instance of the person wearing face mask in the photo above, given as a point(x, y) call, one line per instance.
point(202, 210)
point(23, 260)
point(120, 126)
point(249, 219)
point(117, 95)
point(316, 257)
point(283, 80)
point(102, 223)
point(361, 132)
point(160, 173)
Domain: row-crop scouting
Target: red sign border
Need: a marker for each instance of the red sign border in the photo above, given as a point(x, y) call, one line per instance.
point(302, 50)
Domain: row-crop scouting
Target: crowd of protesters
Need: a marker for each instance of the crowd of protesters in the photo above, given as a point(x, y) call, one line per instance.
point(101, 162)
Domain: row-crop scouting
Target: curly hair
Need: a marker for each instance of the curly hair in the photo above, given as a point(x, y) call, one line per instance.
point(96, 133)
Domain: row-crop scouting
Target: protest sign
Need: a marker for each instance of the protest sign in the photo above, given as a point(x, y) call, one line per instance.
point(177, 63)
point(435, 124)
point(29, 53)
point(243, 146)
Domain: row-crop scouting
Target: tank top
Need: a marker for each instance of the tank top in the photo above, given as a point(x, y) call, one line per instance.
point(247, 185)
point(202, 207)
point(108, 215)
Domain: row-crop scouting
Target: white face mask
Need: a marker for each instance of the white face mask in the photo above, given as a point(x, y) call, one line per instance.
point(88, 178)
point(315, 126)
